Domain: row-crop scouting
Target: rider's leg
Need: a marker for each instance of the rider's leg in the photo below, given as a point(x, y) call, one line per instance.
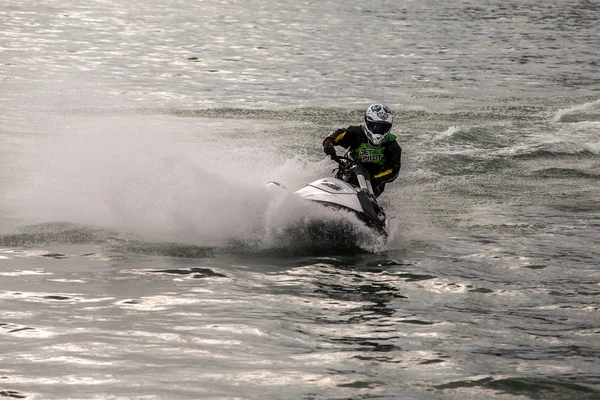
point(377, 190)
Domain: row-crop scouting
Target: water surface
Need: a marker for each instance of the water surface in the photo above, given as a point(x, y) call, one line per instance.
point(142, 258)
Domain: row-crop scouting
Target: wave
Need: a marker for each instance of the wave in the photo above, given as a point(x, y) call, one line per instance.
point(583, 112)
point(532, 387)
point(59, 233)
point(480, 136)
point(564, 173)
point(467, 162)
point(314, 236)
point(176, 250)
point(448, 133)
point(481, 161)
point(556, 148)
point(318, 237)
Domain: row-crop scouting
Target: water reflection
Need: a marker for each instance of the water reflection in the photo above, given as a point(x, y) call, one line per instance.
point(371, 298)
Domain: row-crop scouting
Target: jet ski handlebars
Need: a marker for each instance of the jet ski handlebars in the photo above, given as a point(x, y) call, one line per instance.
point(353, 173)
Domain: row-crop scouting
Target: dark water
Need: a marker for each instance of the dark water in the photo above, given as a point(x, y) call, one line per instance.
point(142, 258)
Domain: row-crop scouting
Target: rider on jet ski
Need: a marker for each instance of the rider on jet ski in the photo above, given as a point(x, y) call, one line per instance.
point(371, 145)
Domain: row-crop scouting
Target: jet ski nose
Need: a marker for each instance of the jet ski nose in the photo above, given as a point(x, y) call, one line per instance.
point(379, 212)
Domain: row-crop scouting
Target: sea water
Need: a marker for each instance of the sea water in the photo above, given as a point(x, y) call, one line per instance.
point(142, 257)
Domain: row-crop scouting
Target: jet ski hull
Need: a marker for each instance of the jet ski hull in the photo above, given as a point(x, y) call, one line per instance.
point(341, 195)
point(350, 191)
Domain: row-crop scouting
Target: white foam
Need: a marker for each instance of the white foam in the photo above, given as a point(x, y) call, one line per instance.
point(452, 130)
point(592, 147)
point(420, 175)
point(564, 114)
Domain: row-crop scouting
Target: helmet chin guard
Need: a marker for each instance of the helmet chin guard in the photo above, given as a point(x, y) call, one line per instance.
point(378, 123)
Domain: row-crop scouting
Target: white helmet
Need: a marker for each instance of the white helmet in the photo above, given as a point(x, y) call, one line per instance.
point(378, 123)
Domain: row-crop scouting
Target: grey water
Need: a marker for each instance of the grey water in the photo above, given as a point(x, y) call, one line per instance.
point(142, 257)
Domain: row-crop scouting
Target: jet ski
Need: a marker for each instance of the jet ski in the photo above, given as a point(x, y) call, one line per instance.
point(350, 190)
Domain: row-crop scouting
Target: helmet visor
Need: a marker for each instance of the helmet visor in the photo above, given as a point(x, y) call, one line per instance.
point(379, 128)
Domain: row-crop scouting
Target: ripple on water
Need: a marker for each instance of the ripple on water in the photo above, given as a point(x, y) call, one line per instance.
point(534, 387)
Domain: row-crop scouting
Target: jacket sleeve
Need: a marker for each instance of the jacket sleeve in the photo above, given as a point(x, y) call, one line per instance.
point(391, 168)
point(341, 137)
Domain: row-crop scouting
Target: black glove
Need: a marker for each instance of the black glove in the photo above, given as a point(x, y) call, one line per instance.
point(328, 148)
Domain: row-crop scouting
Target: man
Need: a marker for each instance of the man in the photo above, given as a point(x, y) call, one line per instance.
point(371, 145)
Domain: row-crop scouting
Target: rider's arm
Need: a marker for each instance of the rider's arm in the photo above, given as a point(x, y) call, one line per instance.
point(341, 137)
point(392, 165)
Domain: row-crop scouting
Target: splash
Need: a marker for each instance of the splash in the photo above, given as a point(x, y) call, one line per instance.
point(167, 179)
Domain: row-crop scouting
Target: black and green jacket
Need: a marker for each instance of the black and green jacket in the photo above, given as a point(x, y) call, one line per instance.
point(383, 162)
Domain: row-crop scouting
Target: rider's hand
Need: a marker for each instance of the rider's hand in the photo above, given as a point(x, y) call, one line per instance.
point(328, 148)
